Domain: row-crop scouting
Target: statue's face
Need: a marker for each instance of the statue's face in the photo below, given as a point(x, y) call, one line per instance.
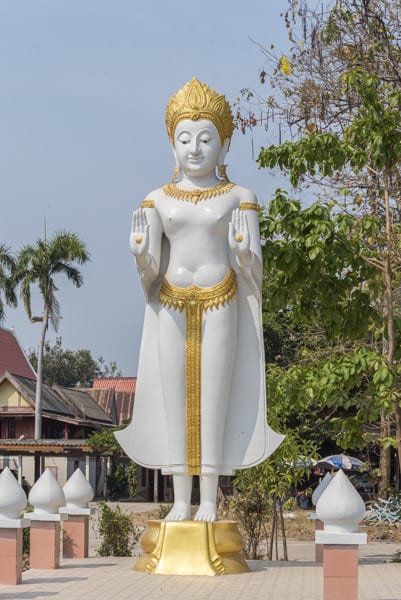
point(197, 147)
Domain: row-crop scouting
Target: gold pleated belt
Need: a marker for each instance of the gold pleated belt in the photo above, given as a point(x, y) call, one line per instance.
point(196, 301)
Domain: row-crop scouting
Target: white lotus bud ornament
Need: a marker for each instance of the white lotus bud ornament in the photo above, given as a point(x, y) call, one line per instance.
point(46, 496)
point(78, 491)
point(340, 506)
point(321, 487)
point(12, 496)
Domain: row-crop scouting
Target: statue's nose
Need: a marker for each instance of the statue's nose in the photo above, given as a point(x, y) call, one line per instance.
point(194, 147)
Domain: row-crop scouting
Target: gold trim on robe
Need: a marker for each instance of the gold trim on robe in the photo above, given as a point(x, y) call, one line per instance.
point(195, 300)
point(249, 206)
point(148, 204)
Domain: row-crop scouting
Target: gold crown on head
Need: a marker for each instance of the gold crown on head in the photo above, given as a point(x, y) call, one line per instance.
point(196, 101)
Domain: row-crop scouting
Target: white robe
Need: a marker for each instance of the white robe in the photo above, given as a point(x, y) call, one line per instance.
point(248, 439)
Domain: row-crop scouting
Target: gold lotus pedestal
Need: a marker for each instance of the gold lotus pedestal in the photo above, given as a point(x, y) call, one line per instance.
point(191, 548)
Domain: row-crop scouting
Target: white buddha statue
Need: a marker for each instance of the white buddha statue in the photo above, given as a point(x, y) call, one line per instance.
point(200, 406)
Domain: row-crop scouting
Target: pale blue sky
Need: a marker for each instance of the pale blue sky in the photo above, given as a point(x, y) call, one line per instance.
point(84, 85)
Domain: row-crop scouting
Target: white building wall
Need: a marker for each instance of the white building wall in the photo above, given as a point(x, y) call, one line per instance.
point(61, 467)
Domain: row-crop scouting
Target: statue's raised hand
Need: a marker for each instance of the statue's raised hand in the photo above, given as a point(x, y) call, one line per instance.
point(139, 238)
point(238, 236)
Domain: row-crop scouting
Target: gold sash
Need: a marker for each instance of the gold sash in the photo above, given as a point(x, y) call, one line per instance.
point(196, 301)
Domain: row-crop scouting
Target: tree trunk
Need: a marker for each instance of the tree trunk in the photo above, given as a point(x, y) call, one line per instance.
point(398, 436)
point(388, 277)
point(389, 347)
point(273, 531)
point(385, 457)
point(283, 534)
point(38, 398)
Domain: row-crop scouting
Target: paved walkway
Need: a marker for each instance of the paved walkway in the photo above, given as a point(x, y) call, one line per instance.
point(300, 579)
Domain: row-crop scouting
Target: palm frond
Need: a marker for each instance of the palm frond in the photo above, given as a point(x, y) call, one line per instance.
point(68, 247)
point(40, 262)
point(72, 273)
point(7, 259)
point(7, 281)
point(54, 306)
point(26, 296)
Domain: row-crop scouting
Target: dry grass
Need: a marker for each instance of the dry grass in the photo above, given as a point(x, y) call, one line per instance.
point(301, 527)
point(382, 532)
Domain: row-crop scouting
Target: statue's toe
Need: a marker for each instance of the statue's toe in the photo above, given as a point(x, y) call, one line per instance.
point(206, 512)
point(179, 512)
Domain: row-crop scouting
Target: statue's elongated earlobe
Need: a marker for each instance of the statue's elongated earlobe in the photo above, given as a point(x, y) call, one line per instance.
point(176, 173)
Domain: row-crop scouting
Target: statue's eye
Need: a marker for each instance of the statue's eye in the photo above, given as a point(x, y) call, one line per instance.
point(184, 138)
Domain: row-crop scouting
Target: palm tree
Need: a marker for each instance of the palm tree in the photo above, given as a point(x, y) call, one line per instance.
point(7, 268)
point(38, 264)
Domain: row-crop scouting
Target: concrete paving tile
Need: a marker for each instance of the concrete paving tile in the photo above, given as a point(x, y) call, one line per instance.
point(113, 579)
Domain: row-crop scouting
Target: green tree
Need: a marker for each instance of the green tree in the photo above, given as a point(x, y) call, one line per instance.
point(370, 142)
point(39, 264)
point(122, 480)
point(107, 369)
point(264, 488)
point(104, 442)
point(71, 368)
point(7, 268)
point(337, 94)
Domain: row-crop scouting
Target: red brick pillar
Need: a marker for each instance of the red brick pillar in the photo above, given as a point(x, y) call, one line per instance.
point(45, 540)
point(10, 555)
point(76, 537)
point(340, 563)
point(45, 545)
point(340, 572)
point(319, 526)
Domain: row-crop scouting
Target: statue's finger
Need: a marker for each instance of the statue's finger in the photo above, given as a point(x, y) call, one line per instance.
point(243, 221)
point(232, 235)
point(238, 219)
point(140, 219)
point(135, 222)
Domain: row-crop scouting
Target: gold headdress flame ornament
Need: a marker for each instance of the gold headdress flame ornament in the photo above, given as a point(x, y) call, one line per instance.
point(196, 101)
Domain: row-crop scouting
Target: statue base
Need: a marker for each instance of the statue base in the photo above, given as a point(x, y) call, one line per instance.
point(191, 548)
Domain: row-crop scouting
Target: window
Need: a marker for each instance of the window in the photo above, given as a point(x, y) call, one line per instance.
point(11, 428)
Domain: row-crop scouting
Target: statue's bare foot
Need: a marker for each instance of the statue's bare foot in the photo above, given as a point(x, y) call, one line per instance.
point(206, 512)
point(181, 511)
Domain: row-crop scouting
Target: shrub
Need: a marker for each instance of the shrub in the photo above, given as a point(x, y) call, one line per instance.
point(252, 509)
point(118, 534)
point(163, 511)
point(131, 479)
point(26, 534)
point(122, 481)
point(26, 540)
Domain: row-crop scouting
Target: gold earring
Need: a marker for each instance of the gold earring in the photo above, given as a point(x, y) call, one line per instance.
point(223, 172)
point(176, 173)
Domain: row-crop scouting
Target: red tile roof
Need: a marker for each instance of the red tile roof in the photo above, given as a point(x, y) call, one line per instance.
point(119, 405)
point(118, 384)
point(12, 357)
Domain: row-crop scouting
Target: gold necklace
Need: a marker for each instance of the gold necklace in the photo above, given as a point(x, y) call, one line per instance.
point(197, 195)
